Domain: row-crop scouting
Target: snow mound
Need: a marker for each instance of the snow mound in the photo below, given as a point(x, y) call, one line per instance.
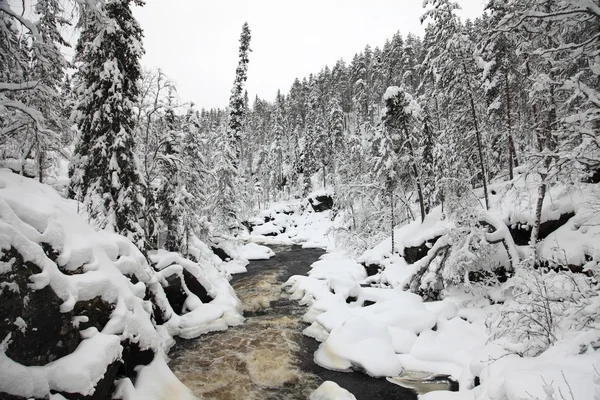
point(253, 251)
point(331, 391)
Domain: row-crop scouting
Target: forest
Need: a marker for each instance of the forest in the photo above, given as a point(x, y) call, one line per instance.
point(466, 160)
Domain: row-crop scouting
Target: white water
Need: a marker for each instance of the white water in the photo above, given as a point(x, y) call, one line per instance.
point(255, 361)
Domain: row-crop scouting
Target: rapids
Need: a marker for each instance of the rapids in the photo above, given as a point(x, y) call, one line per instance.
point(268, 357)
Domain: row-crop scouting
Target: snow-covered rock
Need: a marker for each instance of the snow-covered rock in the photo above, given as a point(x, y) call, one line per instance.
point(331, 391)
point(82, 309)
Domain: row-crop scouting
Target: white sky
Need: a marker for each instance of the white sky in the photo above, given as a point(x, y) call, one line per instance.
point(195, 42)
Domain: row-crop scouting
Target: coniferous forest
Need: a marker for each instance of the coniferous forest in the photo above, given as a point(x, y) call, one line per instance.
point(453, 180)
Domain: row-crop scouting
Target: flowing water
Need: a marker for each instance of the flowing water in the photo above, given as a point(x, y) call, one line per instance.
point(268, 357)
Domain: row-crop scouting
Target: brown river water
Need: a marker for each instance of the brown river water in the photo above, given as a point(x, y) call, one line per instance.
point(268, 357)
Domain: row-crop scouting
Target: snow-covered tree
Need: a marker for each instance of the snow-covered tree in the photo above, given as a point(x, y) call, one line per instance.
point(228, 162)
point(104, 172)
point(236, 101)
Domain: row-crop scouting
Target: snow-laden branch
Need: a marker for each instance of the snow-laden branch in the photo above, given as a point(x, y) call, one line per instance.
point(9, 130)
point(5, 86)
point(4, 7)
point(584, 7)
point(501, 234)
point(34, 114)
point(571, 46)
point(422, 266)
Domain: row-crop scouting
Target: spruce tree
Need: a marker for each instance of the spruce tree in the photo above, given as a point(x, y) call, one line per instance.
point(236, 101)
point(227, 161)
point(104, 172)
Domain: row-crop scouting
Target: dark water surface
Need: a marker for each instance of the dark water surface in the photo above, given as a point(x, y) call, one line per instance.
point(268, 357)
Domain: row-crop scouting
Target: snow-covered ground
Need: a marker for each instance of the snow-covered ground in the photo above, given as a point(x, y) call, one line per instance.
point(386, 331)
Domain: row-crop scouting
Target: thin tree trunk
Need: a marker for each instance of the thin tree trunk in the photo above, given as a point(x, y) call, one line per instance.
point(512, 157)
point(478, 136)
point(549, 144)
point(41, 165)
point(416, 174)
point(392, 208)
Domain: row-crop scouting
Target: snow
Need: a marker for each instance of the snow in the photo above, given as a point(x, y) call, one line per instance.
point(412, 234)
point(267, 229)
point(306, 227)
point(253, 251)
point(77, 372)
point(391, 92)
point(363, 343)
point(331, 391)
point(154, 381)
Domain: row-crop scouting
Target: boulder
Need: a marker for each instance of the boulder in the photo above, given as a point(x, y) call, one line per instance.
point(321, 203)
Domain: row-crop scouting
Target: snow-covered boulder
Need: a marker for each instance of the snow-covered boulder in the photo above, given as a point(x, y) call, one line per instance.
point(321, 200)
point(83, 313)
point(331, 391)
point(253, 251)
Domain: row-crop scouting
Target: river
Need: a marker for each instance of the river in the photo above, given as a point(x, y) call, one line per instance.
point(268, 357)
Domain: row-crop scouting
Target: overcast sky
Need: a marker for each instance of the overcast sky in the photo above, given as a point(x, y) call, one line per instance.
point(195, 42)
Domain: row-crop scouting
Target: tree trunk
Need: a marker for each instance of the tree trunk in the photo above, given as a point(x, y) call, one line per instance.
point(478, 136)
point(392, 207)
point(512, 157)
point(324, 177)
point(549, 143)
point(416, 174)
point(41, 166)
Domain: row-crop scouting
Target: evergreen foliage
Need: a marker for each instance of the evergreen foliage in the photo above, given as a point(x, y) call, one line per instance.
point(104, 173)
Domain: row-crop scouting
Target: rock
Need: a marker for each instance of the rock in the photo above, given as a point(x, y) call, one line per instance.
point(40, 333)
point(321, 203)
point(372, 269)
point(195, 287)
point(158, 315)
point(521, 233)
point(221, 253)
point(132, 357)
point(175, 292)
point(280, 228)
point(414, 254)
point(248, 226)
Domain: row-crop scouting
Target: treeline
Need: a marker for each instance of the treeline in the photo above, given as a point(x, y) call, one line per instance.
point(395, 132)
point(466, 104)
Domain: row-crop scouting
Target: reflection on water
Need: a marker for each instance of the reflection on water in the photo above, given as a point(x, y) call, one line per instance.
point(257, 360)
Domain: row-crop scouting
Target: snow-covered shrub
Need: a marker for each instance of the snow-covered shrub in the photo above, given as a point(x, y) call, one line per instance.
point(469, 253)
point(542, 305)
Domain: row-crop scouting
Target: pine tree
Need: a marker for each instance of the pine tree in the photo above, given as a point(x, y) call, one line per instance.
point(104, 172)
